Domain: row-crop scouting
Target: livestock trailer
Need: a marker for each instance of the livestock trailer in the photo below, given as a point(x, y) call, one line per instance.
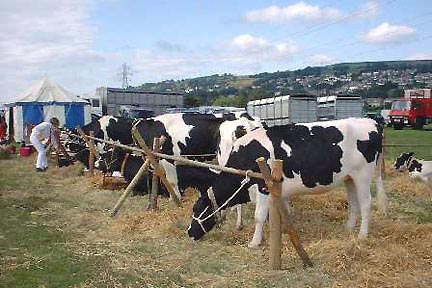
point(285, 109)
point(113, 99)
point(339, 107)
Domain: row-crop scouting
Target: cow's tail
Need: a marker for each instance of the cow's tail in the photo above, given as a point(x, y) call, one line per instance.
point(381, 194)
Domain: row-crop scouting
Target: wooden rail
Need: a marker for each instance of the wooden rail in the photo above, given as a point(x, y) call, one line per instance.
point(180, 159)
point(278, 215)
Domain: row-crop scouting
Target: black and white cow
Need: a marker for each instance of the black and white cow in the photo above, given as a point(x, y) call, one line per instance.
point(317, 157)
point(187, 176)
point(417, 168)
point(83, 156)
point(108, 128)
point(193, 134)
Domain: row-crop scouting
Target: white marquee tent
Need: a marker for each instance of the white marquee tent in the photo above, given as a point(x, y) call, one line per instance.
point(42, 101)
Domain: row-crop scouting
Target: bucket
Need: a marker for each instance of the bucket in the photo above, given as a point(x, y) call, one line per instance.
point(25, 151)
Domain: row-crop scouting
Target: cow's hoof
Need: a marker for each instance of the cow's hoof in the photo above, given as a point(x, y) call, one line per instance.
point(350, 227)
point(362, 236)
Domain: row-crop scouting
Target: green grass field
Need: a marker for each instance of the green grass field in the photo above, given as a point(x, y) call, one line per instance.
point(55, 232)
point(409, 136)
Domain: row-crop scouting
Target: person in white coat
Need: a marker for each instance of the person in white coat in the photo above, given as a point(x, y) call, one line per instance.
point(44, 131)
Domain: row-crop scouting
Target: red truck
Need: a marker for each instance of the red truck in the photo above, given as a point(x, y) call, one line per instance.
point(414, 112)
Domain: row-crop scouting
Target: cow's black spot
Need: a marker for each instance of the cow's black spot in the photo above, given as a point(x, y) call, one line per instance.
point(204, 135)
point(120, 130)
point(415, 166)
point(402, 160)
point(144, 184)
point(240, 131)
point(95, 127)
point(243, 159)
point(372, 147)
point(196, 177)
point(315, 153)
point(83, 157)
point(150, 129)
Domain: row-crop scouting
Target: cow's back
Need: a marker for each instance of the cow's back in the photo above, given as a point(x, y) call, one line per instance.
point(317, 156)
point(190, 133)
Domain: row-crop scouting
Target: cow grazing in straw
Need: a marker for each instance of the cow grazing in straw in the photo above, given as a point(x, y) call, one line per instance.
point(317, 157)
point(416, 168)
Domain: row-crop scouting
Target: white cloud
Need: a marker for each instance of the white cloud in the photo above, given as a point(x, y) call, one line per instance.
point(44, 37)
point(320, 59)
point(248, 47)
point(243, 54)
point(387, 33)
point(298, 11)
point(303, 11)
point(420, 56)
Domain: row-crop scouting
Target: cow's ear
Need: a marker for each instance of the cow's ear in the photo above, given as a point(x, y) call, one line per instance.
point(410, 154)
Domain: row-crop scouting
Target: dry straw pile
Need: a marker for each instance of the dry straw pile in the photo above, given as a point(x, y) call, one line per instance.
point(396, 254)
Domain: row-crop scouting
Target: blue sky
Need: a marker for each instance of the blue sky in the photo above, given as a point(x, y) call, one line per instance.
point(81, 44)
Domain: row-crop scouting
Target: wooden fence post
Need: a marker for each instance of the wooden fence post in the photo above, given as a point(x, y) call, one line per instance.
point(129, 188)
point(278, 212)
point(274, 186)
point(157, 169)
point(86, 139)
point(92, 154)
point(153, 194)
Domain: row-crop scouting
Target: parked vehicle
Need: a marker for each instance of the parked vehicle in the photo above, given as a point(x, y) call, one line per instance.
point(134, 112)
point(285, 109)
point(377, 117)
point(415, 112)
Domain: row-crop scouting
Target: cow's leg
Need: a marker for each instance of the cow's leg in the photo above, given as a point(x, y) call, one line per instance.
point(354, 209)
point(362, 185)
point(171, 175)
point(239, 221)
point(261, 212)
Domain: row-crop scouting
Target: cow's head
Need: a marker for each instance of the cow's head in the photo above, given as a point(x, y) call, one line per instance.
point(75, 145)
point(228, 189)
point(202, 219)
point(403, 161)
point(111, 160)
point(117, 129)
point(93, 126)
point(83, 157)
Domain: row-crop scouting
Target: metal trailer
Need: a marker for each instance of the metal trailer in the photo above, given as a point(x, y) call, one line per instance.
point(112, 99)
point(285, 109)
point(339, 107)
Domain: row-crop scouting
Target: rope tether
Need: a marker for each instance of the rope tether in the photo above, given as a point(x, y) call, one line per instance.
point(216, 209)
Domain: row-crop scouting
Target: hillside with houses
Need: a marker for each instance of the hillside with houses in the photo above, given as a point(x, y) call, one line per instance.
point(374, 81)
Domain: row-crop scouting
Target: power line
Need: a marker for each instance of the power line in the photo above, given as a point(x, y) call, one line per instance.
point(359, 41)
point(333, 48)
point(343, 18)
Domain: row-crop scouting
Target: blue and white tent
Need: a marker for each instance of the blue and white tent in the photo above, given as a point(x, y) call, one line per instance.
point(42, 101)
